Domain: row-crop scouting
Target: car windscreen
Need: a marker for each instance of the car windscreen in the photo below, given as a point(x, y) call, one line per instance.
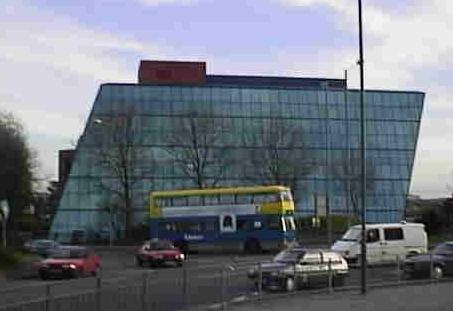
point(288, 256)
point(65, 253)
point(161, 245)
point(352, 234)
point(444, 249)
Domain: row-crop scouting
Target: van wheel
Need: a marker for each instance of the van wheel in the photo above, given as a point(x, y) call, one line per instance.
point(290, 284)
point(252, 247)
point(411, 254)
point(437, 272)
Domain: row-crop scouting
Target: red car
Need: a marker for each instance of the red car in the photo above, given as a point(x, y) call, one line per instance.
point(70, 262)
point(159, 252)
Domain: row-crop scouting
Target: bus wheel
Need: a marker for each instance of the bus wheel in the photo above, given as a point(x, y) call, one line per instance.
point(252, 247)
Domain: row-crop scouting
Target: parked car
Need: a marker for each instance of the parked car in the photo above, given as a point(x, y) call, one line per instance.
point(386, 243)
point(295, 268)
point(70, 262)
point(159, 252)
point(436, 264)
point(42, 247)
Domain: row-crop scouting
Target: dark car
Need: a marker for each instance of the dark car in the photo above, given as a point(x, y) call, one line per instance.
point(42, 247)
point(159, 252)
point(435, 264)
point(70, 262)
point(299, 267)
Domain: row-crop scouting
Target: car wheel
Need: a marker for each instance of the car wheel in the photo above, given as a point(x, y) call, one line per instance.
point(44, 276)
point(437, 272)
point(139, 262)
point(290, 285)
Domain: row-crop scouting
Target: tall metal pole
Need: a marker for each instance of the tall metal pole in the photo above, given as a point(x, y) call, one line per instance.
point(328, 172)
point(347, 165)
point(362, 155)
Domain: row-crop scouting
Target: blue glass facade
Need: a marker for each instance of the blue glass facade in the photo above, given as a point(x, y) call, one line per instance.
point(328, 114)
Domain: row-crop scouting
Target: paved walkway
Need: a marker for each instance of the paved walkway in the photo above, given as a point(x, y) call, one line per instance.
point(427, 297)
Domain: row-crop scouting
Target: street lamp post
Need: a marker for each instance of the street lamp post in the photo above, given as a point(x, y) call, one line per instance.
point(362, 155)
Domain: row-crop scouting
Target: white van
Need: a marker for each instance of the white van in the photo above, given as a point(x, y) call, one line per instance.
point(384, 242)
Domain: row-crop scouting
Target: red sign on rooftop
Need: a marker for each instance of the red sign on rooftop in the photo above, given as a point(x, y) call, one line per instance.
point(171, 72)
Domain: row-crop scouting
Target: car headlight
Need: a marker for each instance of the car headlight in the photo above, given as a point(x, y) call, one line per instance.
point(180, 256)
point(70, 266)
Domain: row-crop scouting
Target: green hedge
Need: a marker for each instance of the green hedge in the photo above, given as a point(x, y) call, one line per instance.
point(8, 258)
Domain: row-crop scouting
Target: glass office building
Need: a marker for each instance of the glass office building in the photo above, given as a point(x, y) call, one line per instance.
point(239, 117)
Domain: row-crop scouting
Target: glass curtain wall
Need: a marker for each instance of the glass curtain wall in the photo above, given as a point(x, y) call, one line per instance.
point(240, 131)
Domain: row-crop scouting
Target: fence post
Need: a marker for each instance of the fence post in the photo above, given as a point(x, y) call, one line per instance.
point(260, 281)
point(431, 266)
point(47, 297)
point(184, 288)
point(398, 268)
point(98, 293)
point(223, 291)
point(330, 275)
point(144, 290)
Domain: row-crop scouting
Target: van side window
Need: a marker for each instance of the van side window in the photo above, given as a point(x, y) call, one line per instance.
point(372, 235)
point(392, 234)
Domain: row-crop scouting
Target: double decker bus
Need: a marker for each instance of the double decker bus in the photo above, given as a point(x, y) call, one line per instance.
point(249, 219)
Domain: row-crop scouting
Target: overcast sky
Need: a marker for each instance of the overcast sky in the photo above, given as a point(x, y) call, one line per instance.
point(54, 54)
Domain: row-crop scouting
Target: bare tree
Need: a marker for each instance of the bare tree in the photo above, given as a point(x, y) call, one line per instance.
point(278, 153)
point(348, 170)
point(119, 155)
point(113, 209)
point(194, 145)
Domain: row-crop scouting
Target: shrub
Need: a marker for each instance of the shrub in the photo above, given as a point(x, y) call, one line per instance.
point(8, 258)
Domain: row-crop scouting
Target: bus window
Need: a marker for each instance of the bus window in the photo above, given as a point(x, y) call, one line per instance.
point(194, 201)
point(274, 223)
point(226, 199)
point(243, 199)
point(167, 226)
point(180, 201)
point(265, 198)
point(191, 226)
point(210, 225)
point(242, 224)
point(211, 200)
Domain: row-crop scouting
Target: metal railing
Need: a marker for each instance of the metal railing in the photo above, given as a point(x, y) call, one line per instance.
point(190, 288)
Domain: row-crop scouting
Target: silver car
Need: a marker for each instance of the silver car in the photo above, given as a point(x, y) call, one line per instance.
point(41, 247)
point(299, 267)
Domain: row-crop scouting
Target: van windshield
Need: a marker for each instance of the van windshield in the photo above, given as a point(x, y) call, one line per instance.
point(352, 234)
